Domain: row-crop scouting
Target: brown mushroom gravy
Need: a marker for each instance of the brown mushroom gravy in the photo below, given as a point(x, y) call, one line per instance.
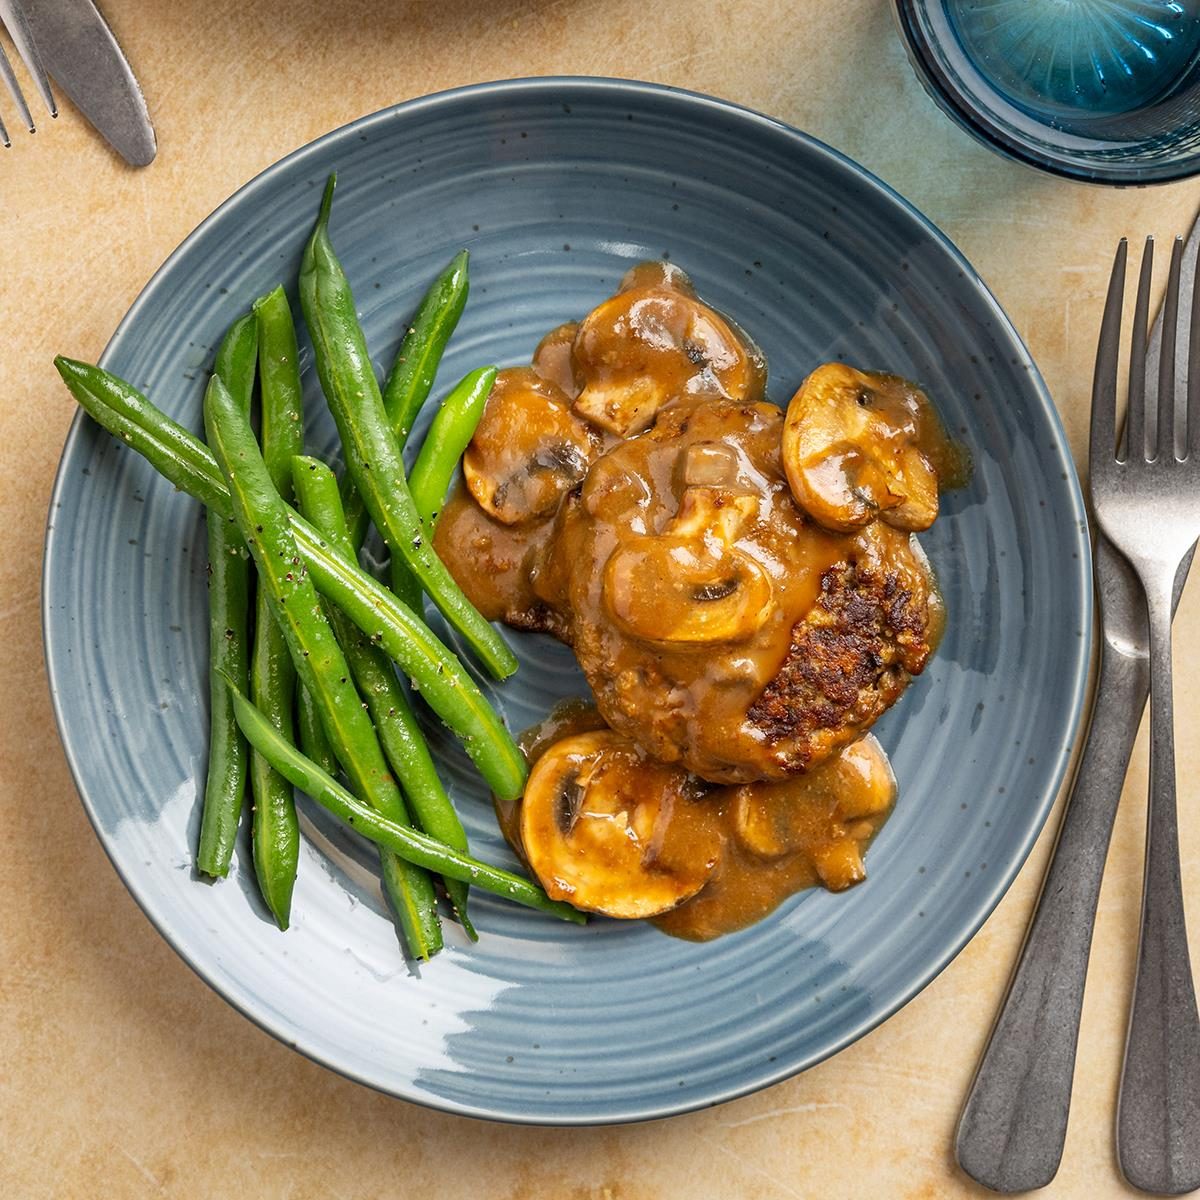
point(734, 852)
point(741, 588)
point(711, 619)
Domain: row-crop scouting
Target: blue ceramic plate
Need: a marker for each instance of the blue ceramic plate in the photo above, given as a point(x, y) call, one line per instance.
point(557, 186)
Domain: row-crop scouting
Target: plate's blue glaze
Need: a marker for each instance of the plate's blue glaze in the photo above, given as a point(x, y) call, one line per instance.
point(556, 186)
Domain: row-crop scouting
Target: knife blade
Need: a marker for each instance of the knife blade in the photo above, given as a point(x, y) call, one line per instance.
point(1013, 1125)
point(83, 58)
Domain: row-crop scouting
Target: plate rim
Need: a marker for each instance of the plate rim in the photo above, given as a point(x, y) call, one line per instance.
point(980, 911)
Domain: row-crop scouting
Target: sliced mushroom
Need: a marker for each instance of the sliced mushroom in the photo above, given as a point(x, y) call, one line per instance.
point(708, 512)
point(554, 360)
point(709, 464)
point(613, 832)
point(856, 446)
point(528, 450)
point(691, 584)
point(656, 272)
point(867, 785)
point(839, 863)
point(654, 341)
point(810, 812)
point(675, 590)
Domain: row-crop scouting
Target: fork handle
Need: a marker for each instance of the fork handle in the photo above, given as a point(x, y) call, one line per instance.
point(1158, 1109)
point(1014, 1123)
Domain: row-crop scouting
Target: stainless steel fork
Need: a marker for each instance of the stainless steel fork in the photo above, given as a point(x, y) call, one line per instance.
point(13, 20)
point(1146, 497)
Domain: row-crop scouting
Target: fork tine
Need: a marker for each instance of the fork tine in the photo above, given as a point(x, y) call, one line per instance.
point(1165, 441)
point(13, 18)
point(1192, 415)
point(1134, 445)
point(14, 90)
point(1102, 446)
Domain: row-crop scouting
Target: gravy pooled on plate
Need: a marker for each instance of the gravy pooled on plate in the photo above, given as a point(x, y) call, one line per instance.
point(702, 861)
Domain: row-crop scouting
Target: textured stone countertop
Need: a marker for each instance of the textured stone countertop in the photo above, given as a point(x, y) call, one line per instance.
point(121, 1073)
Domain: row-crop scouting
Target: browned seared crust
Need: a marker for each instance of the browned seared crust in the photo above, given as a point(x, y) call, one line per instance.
point(538, 618)
point(849, 661)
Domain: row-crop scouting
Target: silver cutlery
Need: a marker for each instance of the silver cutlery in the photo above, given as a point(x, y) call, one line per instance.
point(1013, 1126)
point(14, 22)
point(1146, 498)
point(71, 42)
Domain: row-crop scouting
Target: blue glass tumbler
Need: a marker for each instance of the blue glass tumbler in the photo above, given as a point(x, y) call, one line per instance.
point(1101, 90)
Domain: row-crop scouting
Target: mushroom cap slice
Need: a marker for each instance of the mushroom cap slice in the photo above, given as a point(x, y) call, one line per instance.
point(528, 450)
point(691, 584)
point(706, 512)
point(859, 446)
point(652, 342)
point(613, 832)
point(811, 811)
point(554, 358)
point(839, 863)
point(673, 589)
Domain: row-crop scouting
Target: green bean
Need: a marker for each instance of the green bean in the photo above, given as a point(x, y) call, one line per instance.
point(188, 463)
point(263, 519)
point(311, 733)
point(276, 832)
point(229, 580)
point(415, 847)
point(411, 377)
point(279, 372)
point(434, 670)
point(448, 436)
point(372, 456)
point(395, 722)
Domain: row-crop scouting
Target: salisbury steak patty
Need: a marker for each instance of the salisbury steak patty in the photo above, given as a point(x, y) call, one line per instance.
point(717, 625)
point(849, 660)
point(812, 679)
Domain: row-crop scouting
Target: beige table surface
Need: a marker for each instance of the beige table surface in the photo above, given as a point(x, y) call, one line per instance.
point(121, 1073)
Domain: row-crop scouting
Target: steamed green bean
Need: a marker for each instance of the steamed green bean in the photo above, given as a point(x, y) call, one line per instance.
point(187, 463)
point(451, 429)
point(373, 457)
point(229, 585)
point(411, 377)
point(396, 723)
point(262, 517)
point(275, 839)
point(310, 733)
point(416, 847)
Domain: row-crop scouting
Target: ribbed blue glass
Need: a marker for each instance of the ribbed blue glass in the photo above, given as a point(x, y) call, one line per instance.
point(1102, 90)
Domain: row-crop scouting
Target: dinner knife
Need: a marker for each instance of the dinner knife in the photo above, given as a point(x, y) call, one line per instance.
point(83, 58)
point(1014, 1123)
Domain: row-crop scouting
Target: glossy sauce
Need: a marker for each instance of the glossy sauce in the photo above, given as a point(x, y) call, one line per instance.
point(627, 494)
point(630, 554)
point(819, 824)
point(554, 359)
point(490, 560)
point(676, 562)
point(773, 839)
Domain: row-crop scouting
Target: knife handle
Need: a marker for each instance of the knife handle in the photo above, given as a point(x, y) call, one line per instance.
point(1014, 1123)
